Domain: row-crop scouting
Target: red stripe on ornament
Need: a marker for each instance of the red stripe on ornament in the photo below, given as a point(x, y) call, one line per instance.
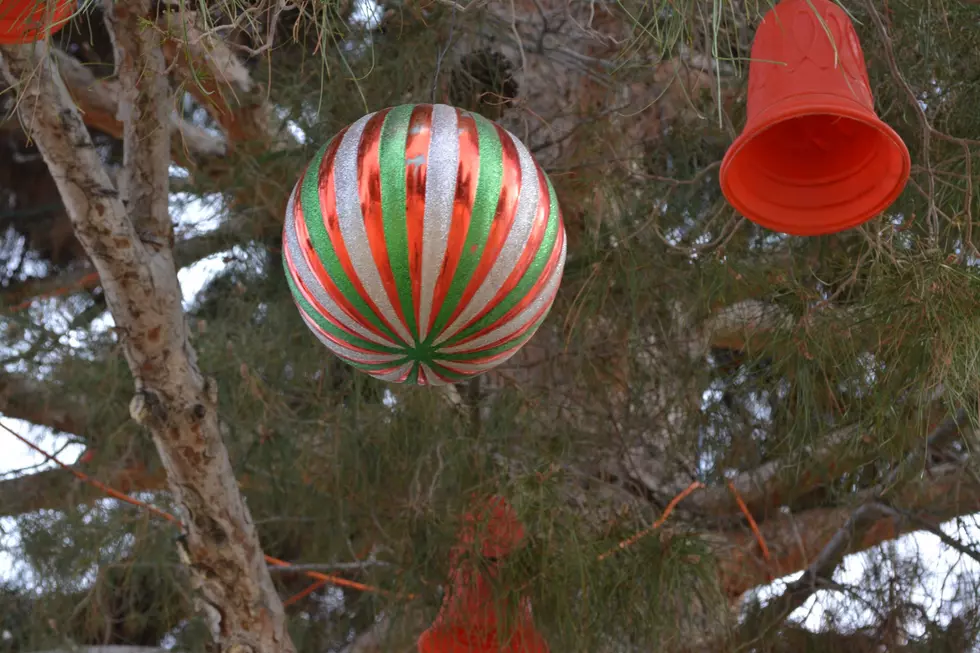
point(416, 171)
point(316, 267)
point(503, 219)
point(309, 297)
point(389, 370)
point(346, 345)
point(503, 354)
point(467, 175)
point(369, 193)
point(525, 301)
point(536, 235)
point(331, 222)
point(446, 379)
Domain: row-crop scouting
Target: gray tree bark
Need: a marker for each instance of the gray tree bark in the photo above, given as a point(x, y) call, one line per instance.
point(129, 237)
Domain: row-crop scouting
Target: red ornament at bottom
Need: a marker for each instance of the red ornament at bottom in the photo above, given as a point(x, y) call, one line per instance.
point(468, 621)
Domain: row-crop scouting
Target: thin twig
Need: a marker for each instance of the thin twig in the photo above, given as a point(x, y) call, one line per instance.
point(748, 515)
point(949, 541)
point(333, 580)
point(657, 524)
point(328, 566)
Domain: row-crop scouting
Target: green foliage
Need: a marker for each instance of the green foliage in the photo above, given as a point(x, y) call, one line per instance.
point(874, 324)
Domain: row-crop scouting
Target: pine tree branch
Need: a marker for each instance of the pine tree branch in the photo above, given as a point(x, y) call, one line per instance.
point(208, 69)
point(53, 489)
point(109, 649)
point(938, 494)
point(819, 573)
point(220, 82)
point(738, 325)
point(18, 296)
point(174, 400)
point(371, 640)
point(779, 481)
point(25, 399)
point(98, 100)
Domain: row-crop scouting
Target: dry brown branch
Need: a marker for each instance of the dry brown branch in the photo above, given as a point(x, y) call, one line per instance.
point(941, 493)
point(794, 541)
point(219, 81)
point(738, 326)
point(777, 482)
point(98, 100)
point(55, 490)
point(18, 297)
point(174, 400)
point(816, 575)
point(26, 399)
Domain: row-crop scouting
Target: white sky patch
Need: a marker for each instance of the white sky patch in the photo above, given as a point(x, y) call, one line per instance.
point(196, 215)
point(367, 13)
point(194, 277)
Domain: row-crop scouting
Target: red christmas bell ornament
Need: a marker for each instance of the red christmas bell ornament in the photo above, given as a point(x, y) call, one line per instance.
point(27, 21)
point(814, 158)
point(495, 527)
point(468, 621)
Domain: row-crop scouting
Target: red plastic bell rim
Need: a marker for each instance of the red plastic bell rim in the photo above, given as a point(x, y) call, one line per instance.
point(814, 157)
point(26, 21)
point(750, 209)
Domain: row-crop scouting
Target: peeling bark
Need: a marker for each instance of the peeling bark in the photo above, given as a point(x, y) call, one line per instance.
point(98, 101)
point(174, 400)
point(144, 111)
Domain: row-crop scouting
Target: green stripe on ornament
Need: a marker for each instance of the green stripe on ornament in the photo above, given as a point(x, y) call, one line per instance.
point(487, 196)
point(413, 375)
point(530, 277)
point(340, 334)
point(313, 216)
point(391, 159)
point(466, 357)
point(448, 373)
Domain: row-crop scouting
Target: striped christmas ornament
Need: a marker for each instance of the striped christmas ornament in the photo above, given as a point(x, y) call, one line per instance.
point(423, 244)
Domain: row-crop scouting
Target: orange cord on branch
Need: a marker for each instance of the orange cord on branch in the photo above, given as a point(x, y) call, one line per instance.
point(657, 524)
point(312, 587)
point(85, 478)
point(90, 280)
point(755, 527)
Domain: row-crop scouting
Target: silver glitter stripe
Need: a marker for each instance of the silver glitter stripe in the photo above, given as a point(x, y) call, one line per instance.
point(440, 190)
point(352, 228)
point(310, 281)
point(514, 245)
point(545, 296)
point(344, 352)
point(395, 374)
point(432, 377)
point(475, 368)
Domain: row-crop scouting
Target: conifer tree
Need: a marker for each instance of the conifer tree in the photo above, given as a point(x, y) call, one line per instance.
point(733, 404)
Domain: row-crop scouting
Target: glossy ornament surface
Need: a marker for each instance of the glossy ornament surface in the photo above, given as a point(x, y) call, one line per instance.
point(27, 21)
point(814, 158)
point(423, 244)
